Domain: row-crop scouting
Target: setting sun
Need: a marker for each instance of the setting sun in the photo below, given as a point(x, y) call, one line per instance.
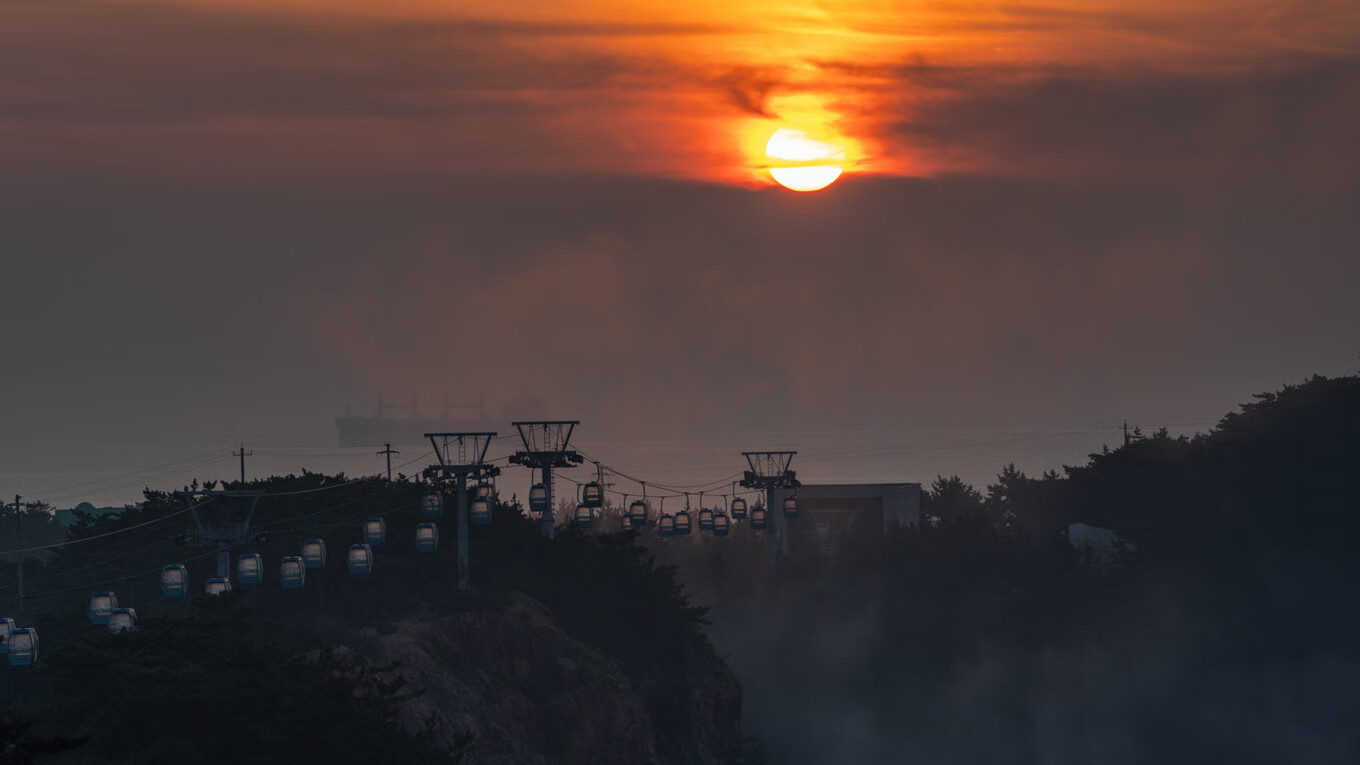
point(802, 163)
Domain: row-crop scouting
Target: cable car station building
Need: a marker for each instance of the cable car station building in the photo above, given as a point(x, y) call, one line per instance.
point(847, 518)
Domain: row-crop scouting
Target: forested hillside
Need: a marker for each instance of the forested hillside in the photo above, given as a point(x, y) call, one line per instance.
point(578, 650)
point(1227, 630)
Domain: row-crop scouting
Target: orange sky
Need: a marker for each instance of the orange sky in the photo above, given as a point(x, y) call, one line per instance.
point(629, 86)
point(242, 216)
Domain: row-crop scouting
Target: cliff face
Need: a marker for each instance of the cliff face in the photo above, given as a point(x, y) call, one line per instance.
point(511, 686)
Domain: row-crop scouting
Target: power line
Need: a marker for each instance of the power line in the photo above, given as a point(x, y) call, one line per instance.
point(106, 534)
point(96, 564)
point(141, 477)
point(86, 587)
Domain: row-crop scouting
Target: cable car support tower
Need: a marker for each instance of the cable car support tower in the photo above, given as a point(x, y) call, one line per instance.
point(545, 448)
point(770, 471)
point(223, 529)
point(461, 456)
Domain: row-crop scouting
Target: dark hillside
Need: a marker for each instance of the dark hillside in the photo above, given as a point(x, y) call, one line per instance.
point(582, 650)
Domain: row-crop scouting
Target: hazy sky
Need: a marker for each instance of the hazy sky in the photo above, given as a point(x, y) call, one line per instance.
point(225, 222)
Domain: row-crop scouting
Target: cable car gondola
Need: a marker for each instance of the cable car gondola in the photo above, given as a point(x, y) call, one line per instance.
point(721, 525)
point(23, 647)
point(217, 585)
point(592, 495)
point(479, 512)
point(538, 498)
point(637, 513)
point(427, 537)
point(174, 581)
point(6, 627)
point(683, 524)
point(665, 526)
point(758, 518)
point(790, 507)
point(738, 509)
point(705, 519)
point(101, 607)
point(360, 559)
point(292, 572)
point(123, 620)
point(314, 553)
point(584, 517)
point(375, 531)
point(250, 568)
point(431, 505)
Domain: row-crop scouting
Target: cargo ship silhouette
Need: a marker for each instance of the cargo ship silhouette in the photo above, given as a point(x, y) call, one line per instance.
point(405, 424)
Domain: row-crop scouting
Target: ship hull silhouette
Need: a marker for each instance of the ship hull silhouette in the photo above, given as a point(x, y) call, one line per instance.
point(408, 427)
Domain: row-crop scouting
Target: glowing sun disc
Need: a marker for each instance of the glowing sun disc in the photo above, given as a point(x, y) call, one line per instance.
point(802, 163)
point(806, 178)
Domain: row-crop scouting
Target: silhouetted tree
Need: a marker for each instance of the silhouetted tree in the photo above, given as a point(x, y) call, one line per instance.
point(953, 501)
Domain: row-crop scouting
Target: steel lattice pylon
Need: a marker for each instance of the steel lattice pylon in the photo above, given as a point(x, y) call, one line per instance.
point(461, 456)
point(545, 448)
point(770, 471)
point(225, 526)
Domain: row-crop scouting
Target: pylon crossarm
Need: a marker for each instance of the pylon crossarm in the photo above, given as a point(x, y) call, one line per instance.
point(769, 470)
point(219, 532)
point(546, 436)
point(471, 447)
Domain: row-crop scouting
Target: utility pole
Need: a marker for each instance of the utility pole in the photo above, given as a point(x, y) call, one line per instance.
point(1130, 437)
point(19, 545)
point(468, 461)
point(243, 454)
point(545, 447)
point(770, 471)
point(389, 451)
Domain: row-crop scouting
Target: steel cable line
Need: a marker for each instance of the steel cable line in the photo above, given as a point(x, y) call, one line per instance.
point(381, 514)
point(86, 587)
point(96, 564)
point(348, 521)
point(347, 482)
point(656, 495)
point(675, 487)
point(122, 483)
point(675, 492)
point(115, 532)
point(152, 469)
point(281, 521)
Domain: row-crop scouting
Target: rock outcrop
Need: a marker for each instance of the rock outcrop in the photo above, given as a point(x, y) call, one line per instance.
point(511, 686)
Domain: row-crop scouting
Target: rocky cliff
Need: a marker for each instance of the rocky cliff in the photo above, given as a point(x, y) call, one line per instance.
point(511, 686)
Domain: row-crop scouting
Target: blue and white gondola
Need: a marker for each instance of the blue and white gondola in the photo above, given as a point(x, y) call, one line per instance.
point(174, 581)
point(250, 568)
point(292, 572)
point(360, 560)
